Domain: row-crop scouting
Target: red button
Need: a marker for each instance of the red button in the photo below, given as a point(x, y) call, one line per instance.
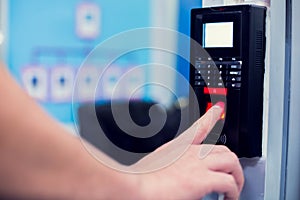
point(218, 91)
point(208, 106)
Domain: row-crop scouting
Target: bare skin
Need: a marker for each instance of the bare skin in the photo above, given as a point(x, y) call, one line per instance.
point(41, 160)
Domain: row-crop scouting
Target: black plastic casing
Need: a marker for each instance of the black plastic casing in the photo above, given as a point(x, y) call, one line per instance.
point(241, 130)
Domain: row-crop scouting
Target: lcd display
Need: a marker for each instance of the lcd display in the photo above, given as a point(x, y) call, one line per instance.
point(218, 34)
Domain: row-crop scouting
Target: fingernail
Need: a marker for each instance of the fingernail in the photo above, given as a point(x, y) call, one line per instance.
point(221, 105)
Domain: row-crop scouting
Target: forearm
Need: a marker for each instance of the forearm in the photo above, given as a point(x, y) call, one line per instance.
point(56, 172)
point(39, 159)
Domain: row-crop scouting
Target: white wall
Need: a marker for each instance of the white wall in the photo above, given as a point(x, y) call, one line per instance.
point(276, 116)
point(3, 28)
point(164, 14)
point(293, 159)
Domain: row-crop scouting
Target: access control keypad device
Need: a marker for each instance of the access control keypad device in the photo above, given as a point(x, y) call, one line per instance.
point(231, 71)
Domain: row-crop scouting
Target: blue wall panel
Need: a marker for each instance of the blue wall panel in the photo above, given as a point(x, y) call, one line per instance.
point(185, 7)
point(40, 25)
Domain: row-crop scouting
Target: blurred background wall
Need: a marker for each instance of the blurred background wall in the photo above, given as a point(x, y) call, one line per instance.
point(45, 42)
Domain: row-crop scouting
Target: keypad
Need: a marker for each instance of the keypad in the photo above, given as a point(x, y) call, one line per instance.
point(227, 73)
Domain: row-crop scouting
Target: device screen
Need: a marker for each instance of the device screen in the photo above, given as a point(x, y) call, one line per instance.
point(218, 34)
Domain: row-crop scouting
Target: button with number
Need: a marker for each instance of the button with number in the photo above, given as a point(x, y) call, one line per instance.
point(235, 66)
point(236, 79)
point(221, 66)
point(205, 72)
point(198, 77)
point(203, 66)
point(237, 73)
point(236, 85)
point(199, 83)
point(220, 84)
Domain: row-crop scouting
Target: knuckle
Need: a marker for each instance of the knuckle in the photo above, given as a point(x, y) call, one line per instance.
point(234, 158)
point(223, 148)
point(230, 181)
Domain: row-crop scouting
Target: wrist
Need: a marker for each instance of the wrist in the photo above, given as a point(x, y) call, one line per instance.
point(149, 186)
point(131, 186)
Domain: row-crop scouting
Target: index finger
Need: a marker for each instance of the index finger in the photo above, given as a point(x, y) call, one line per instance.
point(203, 126)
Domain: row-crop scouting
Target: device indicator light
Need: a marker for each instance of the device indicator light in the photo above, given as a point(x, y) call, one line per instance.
point(222, 116)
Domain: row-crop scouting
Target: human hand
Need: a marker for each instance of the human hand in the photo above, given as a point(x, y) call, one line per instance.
point(192, 176)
